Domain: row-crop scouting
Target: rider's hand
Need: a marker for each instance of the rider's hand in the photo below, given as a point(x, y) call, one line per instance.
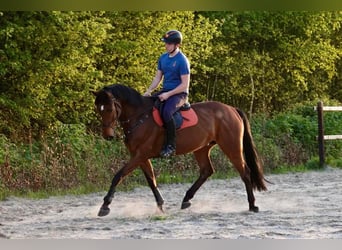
point(147, 93)
point(164, 96)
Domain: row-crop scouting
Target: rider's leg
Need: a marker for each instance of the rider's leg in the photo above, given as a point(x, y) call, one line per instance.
point(169, 147)
point(170, 106)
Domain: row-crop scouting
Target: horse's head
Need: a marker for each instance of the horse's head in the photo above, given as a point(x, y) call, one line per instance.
point(109, 109)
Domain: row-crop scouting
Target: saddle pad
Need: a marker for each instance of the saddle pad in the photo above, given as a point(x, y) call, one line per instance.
point(189, 118)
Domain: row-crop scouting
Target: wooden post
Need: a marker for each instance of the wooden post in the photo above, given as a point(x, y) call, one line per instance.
point(320, 134)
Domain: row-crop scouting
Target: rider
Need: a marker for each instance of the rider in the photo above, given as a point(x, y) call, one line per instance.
point(174, 69)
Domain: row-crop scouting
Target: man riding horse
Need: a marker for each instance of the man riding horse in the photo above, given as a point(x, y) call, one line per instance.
point(174, 69)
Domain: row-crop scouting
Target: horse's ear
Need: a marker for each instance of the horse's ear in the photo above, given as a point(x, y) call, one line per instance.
point(95, 93)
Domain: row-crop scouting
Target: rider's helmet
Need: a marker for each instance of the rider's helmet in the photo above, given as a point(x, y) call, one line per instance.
point(173, 36)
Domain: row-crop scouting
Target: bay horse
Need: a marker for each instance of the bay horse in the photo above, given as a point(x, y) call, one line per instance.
point(218, 123)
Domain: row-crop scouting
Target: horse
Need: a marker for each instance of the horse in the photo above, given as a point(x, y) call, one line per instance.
point(218, 124)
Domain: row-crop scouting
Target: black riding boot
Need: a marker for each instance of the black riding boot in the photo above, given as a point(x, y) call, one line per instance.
point(169, 147)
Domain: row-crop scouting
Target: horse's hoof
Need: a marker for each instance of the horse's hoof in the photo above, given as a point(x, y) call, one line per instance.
point(254, 209)
point(185, 204)
point(160, 207)
point(103, 211)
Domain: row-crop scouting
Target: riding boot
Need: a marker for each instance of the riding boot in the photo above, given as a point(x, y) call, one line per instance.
point(169, 147)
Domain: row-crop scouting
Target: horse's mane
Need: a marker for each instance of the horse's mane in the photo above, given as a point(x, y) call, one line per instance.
point(125, 93)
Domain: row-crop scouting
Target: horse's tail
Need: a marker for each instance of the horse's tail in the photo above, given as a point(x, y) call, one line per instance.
point(251, 156)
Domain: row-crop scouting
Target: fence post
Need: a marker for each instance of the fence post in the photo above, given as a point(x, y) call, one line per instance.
point(320, 134)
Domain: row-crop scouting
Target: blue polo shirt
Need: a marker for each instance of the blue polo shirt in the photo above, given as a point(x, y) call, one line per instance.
point(173, 68)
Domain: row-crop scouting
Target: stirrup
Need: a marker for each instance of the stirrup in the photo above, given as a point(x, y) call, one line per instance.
point(168, 151)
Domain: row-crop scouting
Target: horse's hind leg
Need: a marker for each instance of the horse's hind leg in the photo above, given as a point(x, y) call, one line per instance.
point(248, 184)
point(151, 180)
point(206, 170)
point(245, 175)
point(233, 148)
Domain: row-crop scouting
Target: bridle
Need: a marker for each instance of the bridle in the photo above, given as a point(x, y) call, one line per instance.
point(137, 119)
point(118, 109)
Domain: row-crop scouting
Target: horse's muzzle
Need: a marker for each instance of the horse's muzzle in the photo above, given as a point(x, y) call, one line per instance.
point(108, 133)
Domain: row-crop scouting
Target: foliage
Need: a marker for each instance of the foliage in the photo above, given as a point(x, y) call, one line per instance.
point(50, 61)
point(270, 60)
point(47, 68)
point(66, 158)
point(260, 61)
point(289, 138)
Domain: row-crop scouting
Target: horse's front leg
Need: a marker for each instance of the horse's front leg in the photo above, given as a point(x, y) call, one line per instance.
point(124, 171)
point(151, 180)
point(104, 210)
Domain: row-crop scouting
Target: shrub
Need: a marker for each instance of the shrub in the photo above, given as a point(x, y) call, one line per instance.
point(66, 158)
point(290, 138)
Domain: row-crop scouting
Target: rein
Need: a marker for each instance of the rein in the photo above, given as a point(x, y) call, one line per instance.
point(142, 117)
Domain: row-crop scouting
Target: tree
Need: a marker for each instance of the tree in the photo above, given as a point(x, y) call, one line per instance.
point(257, 60)
point(50, 61)
point(134, 45)
point(47, 65)
point(270, 60)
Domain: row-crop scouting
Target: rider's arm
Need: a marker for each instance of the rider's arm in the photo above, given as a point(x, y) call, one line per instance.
point(155, 82)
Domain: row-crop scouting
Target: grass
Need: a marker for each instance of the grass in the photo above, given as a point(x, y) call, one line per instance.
point(161, 217)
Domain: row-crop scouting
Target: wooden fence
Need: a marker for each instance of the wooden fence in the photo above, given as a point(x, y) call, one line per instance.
point(321, 137)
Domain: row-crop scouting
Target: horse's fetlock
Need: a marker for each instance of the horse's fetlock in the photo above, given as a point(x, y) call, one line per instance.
point(108, 199)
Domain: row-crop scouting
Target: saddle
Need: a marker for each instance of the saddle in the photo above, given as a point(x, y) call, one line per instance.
point(184, 117)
